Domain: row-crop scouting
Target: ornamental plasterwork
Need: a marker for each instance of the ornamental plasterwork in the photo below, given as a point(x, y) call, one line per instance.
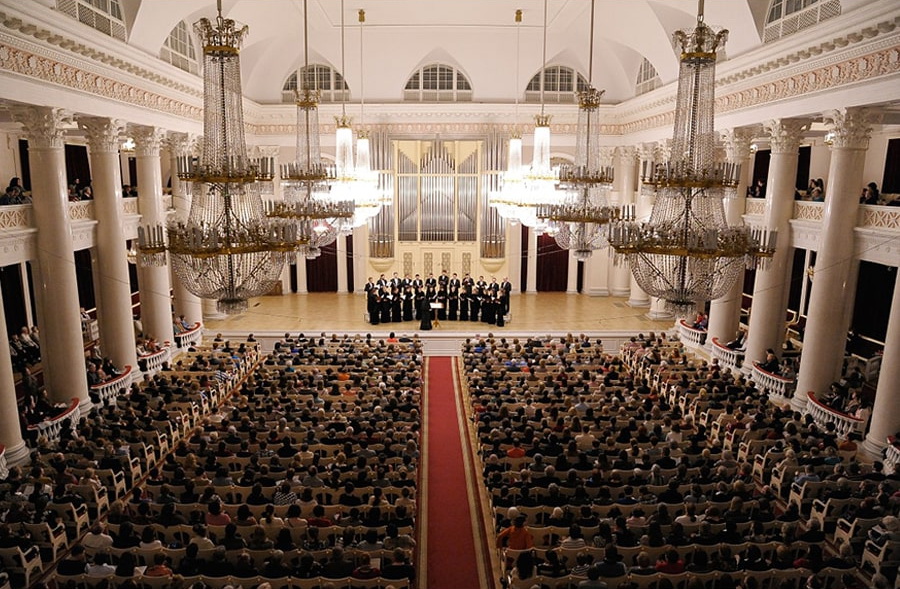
point(877, 245)
point(49, 70)
point(130, 206)
point(15, 217)
point(17, 246)
point(851, 127)
point(880, 217)
point(809, 211)
point(80, 211)
point(418, 129)
point(755, 206)
point(805, 235)
point(83, 234)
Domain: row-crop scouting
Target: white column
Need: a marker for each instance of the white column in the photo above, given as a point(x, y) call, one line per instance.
point(301, 274)
point(156, 300)
point(572, 274)
point(62, 347)
point(111, 270)
point(26, 293)
point(514, 255)
point(186, 303)
point(531, 279)
point(596, 275)
point(626, 169)
point(643, 201)
point(885, 416)
point(360, 247)
point(825, 335)
point(725, 312)
point(10, 432)
point(658, 310)
point(770, 291)
point(341, 255)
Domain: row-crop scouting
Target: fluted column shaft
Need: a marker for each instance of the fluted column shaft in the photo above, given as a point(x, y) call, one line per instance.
point(725, 312)
point(360, 242)
point(626, 170)
point(10, 432)
point(825, 335)
point(185, 302)
point(767, 315)
point(111, 271)
point(62, 346)
point(341, 255)
point(156, 301)
point(885, 416)
point(531, 279)
point(514, 255)
point(301, 274)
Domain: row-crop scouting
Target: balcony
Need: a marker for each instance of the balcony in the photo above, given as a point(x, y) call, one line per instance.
point(691, 337)
point(823, 415)
point(727, 357)
point(779, 389)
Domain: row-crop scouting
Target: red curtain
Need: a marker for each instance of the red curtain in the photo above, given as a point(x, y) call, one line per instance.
point(321, 273)
point(552, 265)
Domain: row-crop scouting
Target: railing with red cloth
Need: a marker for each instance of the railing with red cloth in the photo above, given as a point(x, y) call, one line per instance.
point(4, 468)
point(189, 337)
point(843, 422)
point(106, 391)
point(780, 389)
point(727, 357)
point(152, 363)
point(891, 456)
point(51, 428)
point(691, 336)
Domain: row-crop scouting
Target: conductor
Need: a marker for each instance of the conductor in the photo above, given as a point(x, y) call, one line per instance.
point(425, 313)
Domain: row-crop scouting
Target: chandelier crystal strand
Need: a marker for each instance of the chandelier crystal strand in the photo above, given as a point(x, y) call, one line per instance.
point(582, 219)
point(227, 249)
point(509, 198)
point(308, 203)
point(686, 253)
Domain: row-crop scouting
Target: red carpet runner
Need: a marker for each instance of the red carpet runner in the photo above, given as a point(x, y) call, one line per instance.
point(450, 552)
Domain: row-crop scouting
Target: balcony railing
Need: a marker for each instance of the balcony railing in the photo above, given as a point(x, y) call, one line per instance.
point(81, 210)
point(823, 415)
point(16, 217)
point(691, 336)
point(779, 389)
point(891, 457)
point(152, 363)
point(4, 467)
point(52, 428)
point(190, 337)
point(727, 357)
point(107, 391)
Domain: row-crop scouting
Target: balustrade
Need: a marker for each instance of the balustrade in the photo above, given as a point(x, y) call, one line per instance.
point(727, 357)
point(823, 414)
point(779, 389)
point(691, 336)
point(189, 337)
point(150, 364)
point(50, 429)
point(4, 467)
point(106, 391)
point(891, 457)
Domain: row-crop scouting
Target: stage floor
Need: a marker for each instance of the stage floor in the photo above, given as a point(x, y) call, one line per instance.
point(534, 312)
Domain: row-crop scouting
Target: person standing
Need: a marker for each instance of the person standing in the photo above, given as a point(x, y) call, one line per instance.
point(425, 313)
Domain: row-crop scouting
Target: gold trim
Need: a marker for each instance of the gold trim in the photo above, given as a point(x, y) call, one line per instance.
point(218, 49)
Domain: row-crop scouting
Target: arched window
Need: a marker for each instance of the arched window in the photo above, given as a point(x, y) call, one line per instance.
point(789, 16)
point(560, 85)
point(438, 83)
point(103, 15)
point(647, 78)
point(329, 83)
point(179, 49)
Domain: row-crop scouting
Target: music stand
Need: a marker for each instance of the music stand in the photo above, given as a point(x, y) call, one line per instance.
point(435, 307)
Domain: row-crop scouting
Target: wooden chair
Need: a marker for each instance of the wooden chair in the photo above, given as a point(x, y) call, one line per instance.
point(74, 517)
point(17, 561)
point(875, 557)
point(45, 537)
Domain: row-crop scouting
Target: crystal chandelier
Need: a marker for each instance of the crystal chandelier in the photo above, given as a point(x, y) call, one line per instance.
point(686, 253)
point(582, 219)
point(227, 249)
point(357, 181)
point(317, 215)
point(510, 197)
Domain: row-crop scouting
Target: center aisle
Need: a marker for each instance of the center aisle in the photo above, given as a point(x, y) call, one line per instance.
point(451, 552)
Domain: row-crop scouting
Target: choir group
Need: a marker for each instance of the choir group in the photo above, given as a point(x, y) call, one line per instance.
point(444, 298)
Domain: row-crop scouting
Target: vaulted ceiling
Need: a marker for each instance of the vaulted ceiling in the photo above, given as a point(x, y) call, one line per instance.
point(476, 36)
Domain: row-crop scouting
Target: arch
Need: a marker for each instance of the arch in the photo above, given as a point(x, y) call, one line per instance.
point(560, 84)
point(786, 17)
point(329, 82)
point(438, 82)
point(647, 78)
point(105, 16)
point(179, 49)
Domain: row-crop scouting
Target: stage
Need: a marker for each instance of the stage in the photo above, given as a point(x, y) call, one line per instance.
point(268, 318)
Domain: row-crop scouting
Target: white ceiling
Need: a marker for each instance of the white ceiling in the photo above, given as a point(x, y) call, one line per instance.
point(477, 36)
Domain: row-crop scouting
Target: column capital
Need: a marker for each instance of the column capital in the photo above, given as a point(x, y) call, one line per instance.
point(607, 153)
point(177, 143)
point(43, 125)
point(850, 127)
point(196, 145)
point(648, 151)
point(102, 133)
point(737, 142)
point(627, 152)
point(664, 149)
point(786, 134)
point(147, 140)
